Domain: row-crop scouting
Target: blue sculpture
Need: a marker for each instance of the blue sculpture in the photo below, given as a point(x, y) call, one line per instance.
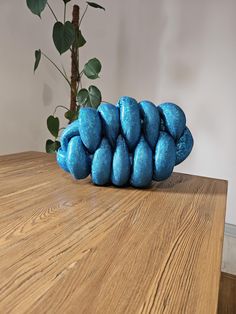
point(131, 143)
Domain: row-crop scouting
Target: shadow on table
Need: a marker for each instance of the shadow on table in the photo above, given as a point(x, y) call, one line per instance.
point(176, 183)
point(189, 184)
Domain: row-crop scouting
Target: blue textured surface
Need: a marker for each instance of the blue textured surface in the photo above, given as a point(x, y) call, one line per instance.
point(90, 128)
point(151, 122)
point(165, 156)
point(174, 119)
point(61, 159)
point(142, 165)
point(101, 164)
point(70, 131)
point(130, 121)
point(110, 121)
point(131, 143)
point(77, 159)
point(121, 165)
point(184, 146)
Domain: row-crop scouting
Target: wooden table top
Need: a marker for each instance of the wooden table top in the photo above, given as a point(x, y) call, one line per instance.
point(72, 247)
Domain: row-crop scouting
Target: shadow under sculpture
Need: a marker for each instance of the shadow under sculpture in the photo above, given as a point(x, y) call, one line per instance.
point(130, 143)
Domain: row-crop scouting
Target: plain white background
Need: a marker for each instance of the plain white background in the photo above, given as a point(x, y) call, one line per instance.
point(182, 51)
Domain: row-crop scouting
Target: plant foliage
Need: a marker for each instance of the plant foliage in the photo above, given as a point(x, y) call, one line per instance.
point(67, 37)
point(63, 36)
point(36, 6)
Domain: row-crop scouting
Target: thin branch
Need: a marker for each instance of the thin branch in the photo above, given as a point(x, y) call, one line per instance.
point(59, 107)
point(64, 71)
point(65, 13)
point(53, 63)
point(50, 8)
point(83, 15)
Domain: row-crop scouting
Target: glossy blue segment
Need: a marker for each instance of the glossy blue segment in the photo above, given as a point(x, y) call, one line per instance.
point(90, 128)
point(61, 159)
point(184, 146)
point(142, 169)
point(71, 130)
point(121, 163)
point(130, 121)
point(102, 163)
point(151, 122)
point(110, 121)
point(174, 119)
point(165, 156)
point(77, 159)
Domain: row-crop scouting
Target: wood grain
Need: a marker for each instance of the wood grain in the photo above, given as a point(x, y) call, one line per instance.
point(227, 300)
point(72, 247)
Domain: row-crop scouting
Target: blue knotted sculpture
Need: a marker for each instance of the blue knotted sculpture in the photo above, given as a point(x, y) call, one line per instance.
point(130, 143)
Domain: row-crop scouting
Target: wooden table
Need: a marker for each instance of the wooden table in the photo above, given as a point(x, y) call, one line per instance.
point(72, 247)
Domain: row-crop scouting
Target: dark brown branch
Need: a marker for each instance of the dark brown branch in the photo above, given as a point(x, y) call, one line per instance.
point(74, 60)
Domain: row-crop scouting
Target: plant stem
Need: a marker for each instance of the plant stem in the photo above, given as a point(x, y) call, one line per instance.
point(64, 71)
point(83, 15)
point(64, 13)
point(59, 107)
point(50, 8)
point(75, 78)
point(54, 64)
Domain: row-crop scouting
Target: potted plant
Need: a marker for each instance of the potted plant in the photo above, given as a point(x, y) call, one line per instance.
point(133, 142)
point(68, 38)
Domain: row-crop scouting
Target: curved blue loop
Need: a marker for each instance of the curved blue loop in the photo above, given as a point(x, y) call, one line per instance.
point(77, 159)
point(90, 128)
point(174, 119)
point(101, 164)
point(141, 142)
point(142, 169)
point(61, 159)
point(110, 121)
point(71, 130)
point(130, 121)
point(151, 122)
point(121, 163)
point(184, 146)
point(165, 156)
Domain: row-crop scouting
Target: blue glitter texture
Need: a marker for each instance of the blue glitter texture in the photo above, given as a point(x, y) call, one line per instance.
point(130, 143)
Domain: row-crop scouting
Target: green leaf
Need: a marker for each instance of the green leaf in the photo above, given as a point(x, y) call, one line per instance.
point(95, 5)
point(92, 68)
point(83, 97)
point(63, 36)
point(52, 147)
point(90, 97)
point(53, 125)
point(95, 96)
point(71, 115)
point(80, 41)
point(36, 6)
point(37, 54)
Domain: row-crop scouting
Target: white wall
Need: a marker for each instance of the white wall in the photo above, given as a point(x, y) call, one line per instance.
point(177, 50)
